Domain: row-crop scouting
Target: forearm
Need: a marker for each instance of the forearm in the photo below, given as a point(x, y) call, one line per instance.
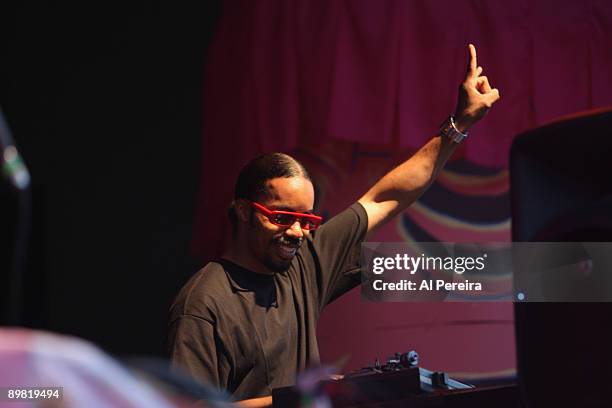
point(261, 402)
point(404, 184)
point(407, 182)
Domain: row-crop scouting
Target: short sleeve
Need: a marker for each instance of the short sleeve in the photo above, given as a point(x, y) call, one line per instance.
point(193, 350)
point(337, 247)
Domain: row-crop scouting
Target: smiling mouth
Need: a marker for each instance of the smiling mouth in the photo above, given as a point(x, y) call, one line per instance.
point(287, 251)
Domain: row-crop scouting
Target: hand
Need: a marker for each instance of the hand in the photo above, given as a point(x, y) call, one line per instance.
point(475, 95)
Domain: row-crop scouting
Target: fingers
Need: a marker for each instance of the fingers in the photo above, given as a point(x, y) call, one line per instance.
point(494, 95)
point(475, 92)
point(491, 97)
point(472, 61)
point(482, 84)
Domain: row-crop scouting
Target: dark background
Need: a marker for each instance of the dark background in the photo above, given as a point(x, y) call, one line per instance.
point(105, 105)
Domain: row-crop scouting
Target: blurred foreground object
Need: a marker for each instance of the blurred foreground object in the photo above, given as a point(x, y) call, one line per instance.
point(89, 377)
point(13, 166)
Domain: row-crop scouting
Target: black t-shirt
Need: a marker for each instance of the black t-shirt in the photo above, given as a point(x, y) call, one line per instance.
point(249, 333)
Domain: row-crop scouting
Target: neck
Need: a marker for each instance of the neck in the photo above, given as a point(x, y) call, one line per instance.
point(240, 255)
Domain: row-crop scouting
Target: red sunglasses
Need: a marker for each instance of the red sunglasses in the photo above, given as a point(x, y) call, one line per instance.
point(308, 222)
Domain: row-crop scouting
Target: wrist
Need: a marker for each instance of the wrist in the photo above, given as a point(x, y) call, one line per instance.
point(450, 130)
point(462, 123)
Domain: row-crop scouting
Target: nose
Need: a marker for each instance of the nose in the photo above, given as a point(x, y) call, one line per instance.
point(295, 230)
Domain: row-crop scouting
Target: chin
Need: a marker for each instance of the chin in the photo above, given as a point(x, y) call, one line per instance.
point(277, 265)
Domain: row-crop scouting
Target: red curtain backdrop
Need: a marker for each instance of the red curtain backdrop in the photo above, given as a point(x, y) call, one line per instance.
point(387, 72)
point(352, 87)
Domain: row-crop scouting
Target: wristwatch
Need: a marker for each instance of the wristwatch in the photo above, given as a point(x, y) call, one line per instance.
point(449, 130)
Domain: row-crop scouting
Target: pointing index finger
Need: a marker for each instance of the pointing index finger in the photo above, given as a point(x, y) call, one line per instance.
point(472, 63)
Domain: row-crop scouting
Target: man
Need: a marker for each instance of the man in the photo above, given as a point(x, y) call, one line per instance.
point(246, 323)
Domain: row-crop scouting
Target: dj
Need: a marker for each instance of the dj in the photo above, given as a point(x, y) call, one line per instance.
point(246, 323)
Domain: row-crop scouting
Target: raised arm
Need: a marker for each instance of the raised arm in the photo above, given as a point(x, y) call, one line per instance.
point(404, 184)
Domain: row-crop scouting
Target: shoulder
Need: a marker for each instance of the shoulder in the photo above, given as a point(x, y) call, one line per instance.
point(358, 213)
point(353, 220)
point(202, 294)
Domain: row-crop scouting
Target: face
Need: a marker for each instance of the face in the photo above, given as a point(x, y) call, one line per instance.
point(276, 246)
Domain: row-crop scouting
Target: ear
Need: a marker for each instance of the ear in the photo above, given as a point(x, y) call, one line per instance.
point(243, 210)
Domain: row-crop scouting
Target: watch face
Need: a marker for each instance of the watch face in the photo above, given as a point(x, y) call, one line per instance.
point(448, 129)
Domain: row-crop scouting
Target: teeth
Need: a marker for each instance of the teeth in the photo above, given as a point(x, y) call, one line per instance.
point(287, 251)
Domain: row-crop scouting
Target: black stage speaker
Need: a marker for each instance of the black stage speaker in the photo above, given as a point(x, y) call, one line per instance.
point(561, 191)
